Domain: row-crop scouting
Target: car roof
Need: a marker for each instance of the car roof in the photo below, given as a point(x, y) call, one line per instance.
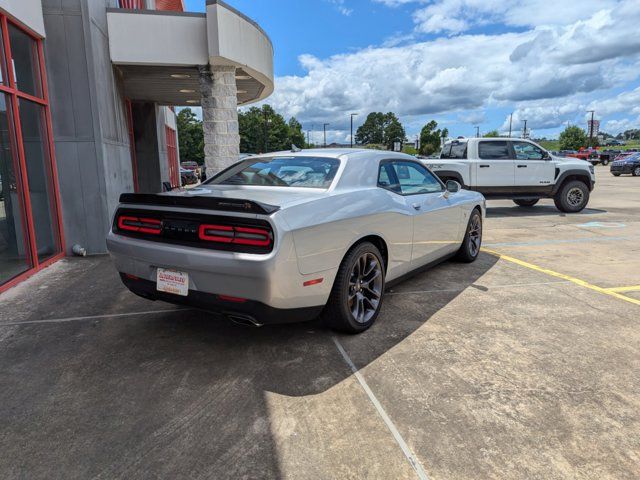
point(343, 153)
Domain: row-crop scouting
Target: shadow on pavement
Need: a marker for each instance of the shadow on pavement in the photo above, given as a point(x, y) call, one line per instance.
point(175, 394)
point(535, 211)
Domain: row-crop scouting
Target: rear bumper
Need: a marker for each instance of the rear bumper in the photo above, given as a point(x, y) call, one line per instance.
point(254, 312)
point(272, 279)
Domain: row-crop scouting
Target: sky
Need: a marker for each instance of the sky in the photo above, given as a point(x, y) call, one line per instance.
point(460, 62)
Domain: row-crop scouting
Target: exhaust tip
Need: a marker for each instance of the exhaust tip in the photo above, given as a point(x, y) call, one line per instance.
point(245, 321)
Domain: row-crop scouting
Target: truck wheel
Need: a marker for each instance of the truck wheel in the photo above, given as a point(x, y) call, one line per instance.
point(572, 197)
point(636, 172)
point(605, 162)
point(530, 202)
point(356, 297)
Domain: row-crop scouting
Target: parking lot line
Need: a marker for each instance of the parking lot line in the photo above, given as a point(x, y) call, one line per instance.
point(93, 317)
point(633, 288)
point(569, 278)
point(415, 463)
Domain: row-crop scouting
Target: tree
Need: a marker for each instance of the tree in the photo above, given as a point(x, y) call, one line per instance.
point(393, 131)
point(492, 134)
point(255, 123)
point(190, 136)
point(572, 138)
point(430, 136)
point(296, 135)
point(372, 130)
point(380, 128)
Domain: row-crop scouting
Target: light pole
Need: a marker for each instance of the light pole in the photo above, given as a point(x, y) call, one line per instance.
point(477, 131)
point(352, 115)
point(308, 138)
point(591, 125)
point(510, 123)
point(524, 133)
point(324, 128)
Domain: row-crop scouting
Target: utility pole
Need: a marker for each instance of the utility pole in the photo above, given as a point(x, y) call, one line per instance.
point(591, 125)
point(324, 128)
point(477, 131)
point(510, 123)
point(308, 138)
point(352, 115)
point(524, 134)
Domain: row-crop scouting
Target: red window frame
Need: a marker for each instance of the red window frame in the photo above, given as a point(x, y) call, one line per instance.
point(172, 157)
point(14, 95)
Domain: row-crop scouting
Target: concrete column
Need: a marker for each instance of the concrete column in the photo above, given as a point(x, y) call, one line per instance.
point(219, 98)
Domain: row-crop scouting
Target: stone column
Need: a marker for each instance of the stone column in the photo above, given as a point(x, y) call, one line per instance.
point(219, 99)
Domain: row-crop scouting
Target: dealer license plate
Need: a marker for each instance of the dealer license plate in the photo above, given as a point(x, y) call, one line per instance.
point(172, 281)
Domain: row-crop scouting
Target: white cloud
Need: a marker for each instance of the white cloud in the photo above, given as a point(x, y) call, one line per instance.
point(341, 7)
point(548, 72)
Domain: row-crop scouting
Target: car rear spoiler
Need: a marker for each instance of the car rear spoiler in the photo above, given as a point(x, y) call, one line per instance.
point(205, 203)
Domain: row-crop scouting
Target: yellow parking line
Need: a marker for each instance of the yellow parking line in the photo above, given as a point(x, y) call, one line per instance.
point(577, 281)
point(634, 288)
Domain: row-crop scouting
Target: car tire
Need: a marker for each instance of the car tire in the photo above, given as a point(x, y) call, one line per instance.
point(470, 248)
point(526, 203)
point(572, 197)
point(605, 162)
point(636, 172)
point(356, 296)
point(615, 174)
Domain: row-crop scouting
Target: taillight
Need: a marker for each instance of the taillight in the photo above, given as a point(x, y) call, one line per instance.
point(255, 237)
point(130, 223)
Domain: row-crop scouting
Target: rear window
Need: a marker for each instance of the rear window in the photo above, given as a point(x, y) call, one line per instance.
point(454, 150)
point(494, 151)
point(306, 172)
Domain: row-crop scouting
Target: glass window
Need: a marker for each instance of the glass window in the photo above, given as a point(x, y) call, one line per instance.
point(527, 151)
point(308, 172)
point(36, 152)
point(458, 150)
point(14, 249)
point(446, 151)
point(407, 178)
point(26, 67)
point(494, 150)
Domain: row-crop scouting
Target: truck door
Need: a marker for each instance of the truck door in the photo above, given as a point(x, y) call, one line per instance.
point(494, 166)
point(534, 167)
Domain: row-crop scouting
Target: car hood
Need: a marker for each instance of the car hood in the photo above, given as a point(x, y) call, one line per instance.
point(277, 196)
point(570, 161)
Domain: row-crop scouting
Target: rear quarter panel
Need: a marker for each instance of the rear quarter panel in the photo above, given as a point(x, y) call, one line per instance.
point(325, 229)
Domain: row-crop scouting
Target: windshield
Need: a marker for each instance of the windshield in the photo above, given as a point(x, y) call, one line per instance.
point(307, 172)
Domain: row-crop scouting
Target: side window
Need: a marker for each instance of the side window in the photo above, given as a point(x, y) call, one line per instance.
point(527, 151)
point(446, 151)
point(494, 151)
point(458, 150)
point(407, 178)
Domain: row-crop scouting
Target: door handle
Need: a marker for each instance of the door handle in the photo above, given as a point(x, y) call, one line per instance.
point(485, 166)
point(522, 166)
point(416, 206)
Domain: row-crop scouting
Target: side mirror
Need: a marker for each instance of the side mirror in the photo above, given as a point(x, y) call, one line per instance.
point(453, 186)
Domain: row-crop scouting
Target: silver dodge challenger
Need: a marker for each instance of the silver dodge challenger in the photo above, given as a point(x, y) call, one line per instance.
point(289, 236)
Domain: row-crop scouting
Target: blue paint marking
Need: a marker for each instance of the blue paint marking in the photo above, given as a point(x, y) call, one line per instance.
point(602, 225)
point(554, 242)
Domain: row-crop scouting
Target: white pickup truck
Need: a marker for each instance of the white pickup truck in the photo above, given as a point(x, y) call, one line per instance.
point(515, 169)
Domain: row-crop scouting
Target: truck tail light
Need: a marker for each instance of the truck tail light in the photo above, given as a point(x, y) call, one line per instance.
point(130, 223)
point(255, 237)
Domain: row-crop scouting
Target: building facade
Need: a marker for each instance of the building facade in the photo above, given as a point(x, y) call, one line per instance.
point(86, 111)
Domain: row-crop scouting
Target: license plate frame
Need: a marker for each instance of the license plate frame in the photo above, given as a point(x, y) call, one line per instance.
point(172, 281)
